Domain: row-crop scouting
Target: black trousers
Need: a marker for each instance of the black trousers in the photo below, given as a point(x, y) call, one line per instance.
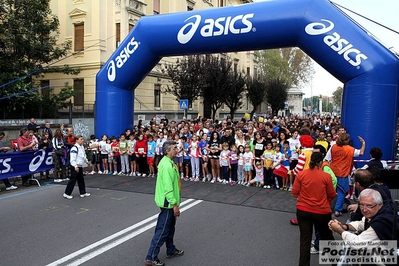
point(306, 222)
point(76, 176)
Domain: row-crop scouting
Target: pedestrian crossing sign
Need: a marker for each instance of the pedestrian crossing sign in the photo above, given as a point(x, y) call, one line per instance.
point(183, 104)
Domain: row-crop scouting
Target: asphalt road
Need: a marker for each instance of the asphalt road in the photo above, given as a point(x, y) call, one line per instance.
point(219, 225)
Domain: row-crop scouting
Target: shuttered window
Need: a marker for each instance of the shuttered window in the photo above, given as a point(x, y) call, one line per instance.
point(118, 34)
point(45, 84)
point(157, 95)
point(131, 26)
point(157, 7)
point(79, 88)
point(79, 37)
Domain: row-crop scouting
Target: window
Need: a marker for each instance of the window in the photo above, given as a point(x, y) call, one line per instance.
point(248, 72)
point(157, 7)
point(79, 88)
point(118, 34)
point(79, 37)
point(221, 3)
point(45, 84)
point(131, 26)
point(157, 95)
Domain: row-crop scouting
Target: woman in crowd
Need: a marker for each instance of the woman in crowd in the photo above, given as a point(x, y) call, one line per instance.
point(314, 191)
point(214, 148)
point(239, 138)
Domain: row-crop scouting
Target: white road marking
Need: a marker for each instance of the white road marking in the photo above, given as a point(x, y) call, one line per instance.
point(116, 235)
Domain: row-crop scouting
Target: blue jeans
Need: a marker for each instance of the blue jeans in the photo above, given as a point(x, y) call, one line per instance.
point(342, 189)
point(164, 232)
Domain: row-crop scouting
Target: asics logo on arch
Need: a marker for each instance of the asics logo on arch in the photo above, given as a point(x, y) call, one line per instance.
point(338, 44)
point(122, 58)
point(215, 27)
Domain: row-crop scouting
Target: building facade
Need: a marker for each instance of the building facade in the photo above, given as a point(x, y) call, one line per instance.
point(97, 27)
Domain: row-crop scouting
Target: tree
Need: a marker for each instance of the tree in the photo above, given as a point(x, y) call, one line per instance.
point(233, 96)
point(28, 45)
point(256, 92)
point(290, 65)
point(337, 96)
point(216, 76)
point(56, 101)
point(187, 78)
point(276, 94)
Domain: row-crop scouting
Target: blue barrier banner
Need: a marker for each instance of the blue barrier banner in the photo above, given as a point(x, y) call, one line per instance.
point(25, 163)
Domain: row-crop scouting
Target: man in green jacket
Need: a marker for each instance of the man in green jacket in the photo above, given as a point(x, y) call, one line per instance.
point(167, 197)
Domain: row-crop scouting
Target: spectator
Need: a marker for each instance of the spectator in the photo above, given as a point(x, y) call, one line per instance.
point(47, 129)
point(4, 150)
point(375, 155)
point(58, 154)
point(375, 226)
point(342, 155)
point(25, 143)
point(314, 190)
point(33, 126)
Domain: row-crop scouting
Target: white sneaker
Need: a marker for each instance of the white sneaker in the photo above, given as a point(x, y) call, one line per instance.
point(115, 173)
point(133, 173)
point(204, 180)
point(67, 196)
point(11, 188)
point(290, 188)
point(224, 182)
point(99, 172)
point(144, 175)
point(57, 180)
point(85, 195)
point(313, 251)
point(219, 180)
point(106, 172)
point(92, 173)
point(120, 173)
point(247, 184)
point(196, 179)
point(138, 174)
point(244, 183)
point(213, 180)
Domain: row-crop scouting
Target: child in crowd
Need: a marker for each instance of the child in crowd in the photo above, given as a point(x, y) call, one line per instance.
point(286, 163)
point(194, 158)
point(186, 157)
point(278, 158)
point(132, 156)
point(248, 141)
point(214, 147)
point(240, 165)
point(104, 153)
point(259, 179)
point(203, 157)
point(151, 150)
point(115, 154)
point(179, 155)
point(110, 156)
point(224, 163)
point(268, 155)
point(140, 149)
point(123, 149)
point(248, 158)
point(95, 156)
point(233, 164)
point(158, 151)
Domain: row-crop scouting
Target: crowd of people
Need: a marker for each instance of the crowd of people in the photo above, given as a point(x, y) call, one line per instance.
point(272, 153)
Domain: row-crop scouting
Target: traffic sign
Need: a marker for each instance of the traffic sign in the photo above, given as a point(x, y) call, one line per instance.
point(183, 104)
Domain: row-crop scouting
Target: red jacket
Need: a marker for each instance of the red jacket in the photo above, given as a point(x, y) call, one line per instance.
point(141, 147)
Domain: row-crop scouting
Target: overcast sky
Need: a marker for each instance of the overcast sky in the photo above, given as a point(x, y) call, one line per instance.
point(384, 12)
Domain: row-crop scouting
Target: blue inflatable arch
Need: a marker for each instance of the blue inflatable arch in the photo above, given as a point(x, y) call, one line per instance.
point(369, 71)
